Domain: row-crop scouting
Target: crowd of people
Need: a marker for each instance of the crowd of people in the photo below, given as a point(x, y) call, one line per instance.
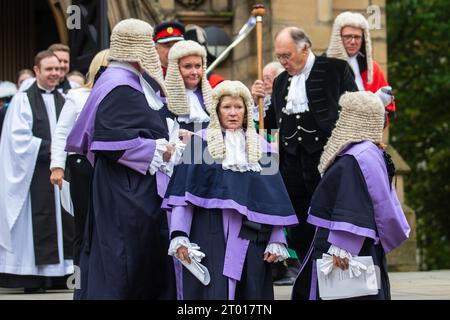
point(174, 194)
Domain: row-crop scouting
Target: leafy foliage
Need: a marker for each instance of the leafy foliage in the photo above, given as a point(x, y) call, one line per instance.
point(418, 42)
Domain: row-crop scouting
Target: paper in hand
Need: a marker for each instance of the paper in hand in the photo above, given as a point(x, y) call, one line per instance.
point(66, 200)
point(198, 270)
point(174, 129)
point(339, 284)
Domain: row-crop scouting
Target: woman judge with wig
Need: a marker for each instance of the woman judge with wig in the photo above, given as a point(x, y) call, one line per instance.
point(189, 92)
point(228, 208)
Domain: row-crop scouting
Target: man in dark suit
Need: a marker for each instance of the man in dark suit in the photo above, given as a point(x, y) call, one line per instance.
point(304, 109)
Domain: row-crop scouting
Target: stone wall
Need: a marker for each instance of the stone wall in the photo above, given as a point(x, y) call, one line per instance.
point(316, 18)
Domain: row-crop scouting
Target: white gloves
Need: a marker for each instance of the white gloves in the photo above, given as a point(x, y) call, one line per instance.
point(385, 95)
point(278, 249)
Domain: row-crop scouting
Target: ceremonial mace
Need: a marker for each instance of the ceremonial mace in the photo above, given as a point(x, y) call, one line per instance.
point(258, 12)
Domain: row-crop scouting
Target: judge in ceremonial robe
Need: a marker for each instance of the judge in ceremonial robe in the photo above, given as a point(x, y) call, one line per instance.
point(350, 41)
point(188, 87)
point(355, 208)
point(36, 232)
point(304, 108)
point(124, 251)
point(228, 205)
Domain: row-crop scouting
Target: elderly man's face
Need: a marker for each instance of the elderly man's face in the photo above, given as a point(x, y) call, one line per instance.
point(352, 40)
point(292, 59)
point(269, 74)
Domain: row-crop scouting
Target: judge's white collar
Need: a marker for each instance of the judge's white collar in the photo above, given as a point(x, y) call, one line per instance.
point(297, 100)
point(308, 65)
point(236, 158)
point(196, 111)
point(353, 62)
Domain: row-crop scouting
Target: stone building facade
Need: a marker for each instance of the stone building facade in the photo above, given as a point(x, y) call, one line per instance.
point(314, 16)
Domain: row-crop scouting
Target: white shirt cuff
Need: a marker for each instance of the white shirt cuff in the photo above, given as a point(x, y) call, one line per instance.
point(57, 164)
point(278, 249)
point(167, 167)
point(176, 243)
point(157, 161)
point(338, 252)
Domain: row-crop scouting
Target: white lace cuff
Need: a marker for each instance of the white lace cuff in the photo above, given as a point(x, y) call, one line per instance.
point(176, 243)
point(338, 252)
point(242, 167)
point(278, 249)
point(193, 248)
point(157, 161)
point(167, 167)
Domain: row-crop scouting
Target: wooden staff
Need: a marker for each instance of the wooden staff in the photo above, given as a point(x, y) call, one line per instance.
point(258, 12)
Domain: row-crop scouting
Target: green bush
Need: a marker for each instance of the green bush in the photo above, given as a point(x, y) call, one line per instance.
point(418, 44)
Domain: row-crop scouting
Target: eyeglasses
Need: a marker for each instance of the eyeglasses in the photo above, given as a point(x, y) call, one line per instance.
point(350, 37)
point(285, 56)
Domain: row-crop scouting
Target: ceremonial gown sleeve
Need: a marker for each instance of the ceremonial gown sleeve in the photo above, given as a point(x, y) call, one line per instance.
point(342, 204)
point(127, 130)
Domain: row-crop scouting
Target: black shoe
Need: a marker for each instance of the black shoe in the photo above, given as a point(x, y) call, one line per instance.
point(34, 290)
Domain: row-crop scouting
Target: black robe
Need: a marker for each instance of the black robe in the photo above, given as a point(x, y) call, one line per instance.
point(124, 254)
point(343, 190)
point(300, 151)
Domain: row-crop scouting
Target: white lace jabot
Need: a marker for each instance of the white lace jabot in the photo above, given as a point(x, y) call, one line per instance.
point(196, 112)
point(297, 101)
point(236, 155)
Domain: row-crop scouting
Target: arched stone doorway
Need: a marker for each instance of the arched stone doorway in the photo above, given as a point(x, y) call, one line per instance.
point(26, 28)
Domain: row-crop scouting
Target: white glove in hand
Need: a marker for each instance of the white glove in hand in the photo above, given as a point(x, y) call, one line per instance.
point(385, 94)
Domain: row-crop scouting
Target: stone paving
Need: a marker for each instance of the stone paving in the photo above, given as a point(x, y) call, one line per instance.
point(431, 285)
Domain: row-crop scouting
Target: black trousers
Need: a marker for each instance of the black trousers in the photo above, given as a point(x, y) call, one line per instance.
point(301, 177)
point(80, 181)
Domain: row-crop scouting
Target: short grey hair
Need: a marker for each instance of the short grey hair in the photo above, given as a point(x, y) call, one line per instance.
point(276, 66)
point(300, 37)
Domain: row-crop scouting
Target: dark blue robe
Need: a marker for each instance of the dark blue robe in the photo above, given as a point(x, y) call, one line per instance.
point(124, 253)
point(355, 208)
point(235, 216)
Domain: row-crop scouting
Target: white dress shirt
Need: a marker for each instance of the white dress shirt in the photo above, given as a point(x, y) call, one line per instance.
point(353, 62)
point(75, 101)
